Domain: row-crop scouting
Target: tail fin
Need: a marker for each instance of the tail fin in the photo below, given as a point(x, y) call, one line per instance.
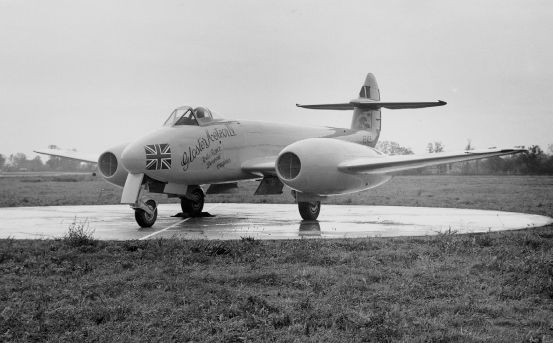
point(370, 90)
point(366, 118)
point(366, 108)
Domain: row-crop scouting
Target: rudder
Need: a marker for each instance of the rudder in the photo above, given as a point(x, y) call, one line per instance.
point(370, 90)
point(368, 119)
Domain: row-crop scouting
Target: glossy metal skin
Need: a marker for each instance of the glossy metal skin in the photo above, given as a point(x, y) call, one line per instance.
point(319, 174)
point(216, 152)
point(193, 148)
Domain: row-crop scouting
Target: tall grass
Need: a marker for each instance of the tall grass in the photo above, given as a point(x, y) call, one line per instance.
point(466, 288)
point(79, 234)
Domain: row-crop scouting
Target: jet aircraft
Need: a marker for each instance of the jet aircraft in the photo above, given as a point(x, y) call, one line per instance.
point(194, 147)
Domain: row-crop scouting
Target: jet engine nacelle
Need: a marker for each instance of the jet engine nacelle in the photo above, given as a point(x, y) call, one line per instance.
point(110, 166)
point(311, 166)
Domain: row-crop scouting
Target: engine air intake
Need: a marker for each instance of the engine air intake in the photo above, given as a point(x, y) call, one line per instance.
point(108, 164)
point(288, 165)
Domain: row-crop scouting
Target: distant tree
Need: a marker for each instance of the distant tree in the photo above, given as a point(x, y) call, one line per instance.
point(2, 161)
point(434, 147)
point(63, 164)
point(87, 167)
point(512, 164)
point(35, 164)
point(468, 166)
point(548, 165)
point(54, 163)
point(17, 161)
point(393, 148)
point(68, 164)
point(493, 165)
point(430, 148)
point(533, 160)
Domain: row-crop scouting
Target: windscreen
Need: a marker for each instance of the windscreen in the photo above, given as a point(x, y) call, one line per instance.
point(187, 116)
point(181, 116)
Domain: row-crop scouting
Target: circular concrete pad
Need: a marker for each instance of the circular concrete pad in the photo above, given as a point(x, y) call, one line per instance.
point(260, 221)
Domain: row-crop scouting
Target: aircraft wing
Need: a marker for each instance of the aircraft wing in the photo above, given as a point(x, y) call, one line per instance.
point(69, 154)
point(389, 164)
point(260, 166)
point(371, 104)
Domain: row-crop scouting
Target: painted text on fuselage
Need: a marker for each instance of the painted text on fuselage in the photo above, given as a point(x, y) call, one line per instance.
point(213, 136)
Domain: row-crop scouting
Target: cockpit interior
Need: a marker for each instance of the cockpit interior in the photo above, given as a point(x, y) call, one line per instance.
point(186, 115)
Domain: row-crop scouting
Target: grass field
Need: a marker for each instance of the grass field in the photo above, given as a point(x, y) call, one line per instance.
point(531, 194)
point(465, 288)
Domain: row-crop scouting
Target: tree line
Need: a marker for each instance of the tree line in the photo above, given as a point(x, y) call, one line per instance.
point(20, 162)
point(534, 162)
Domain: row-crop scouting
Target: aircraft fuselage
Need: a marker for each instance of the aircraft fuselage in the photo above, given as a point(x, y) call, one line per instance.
point(215, 152)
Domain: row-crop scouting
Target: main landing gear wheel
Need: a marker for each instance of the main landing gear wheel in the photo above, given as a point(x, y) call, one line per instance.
point(309, 210)
point(145, 219)
point(194, 203)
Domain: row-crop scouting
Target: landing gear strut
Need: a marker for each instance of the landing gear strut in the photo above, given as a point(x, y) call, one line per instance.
point(146, 213)
point(193, 203)
point(309, 210)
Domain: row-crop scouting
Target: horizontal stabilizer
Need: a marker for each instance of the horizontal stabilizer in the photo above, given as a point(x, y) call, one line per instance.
point(396, 163)
point(69, 154)
point(339, 107)
point(373, 105)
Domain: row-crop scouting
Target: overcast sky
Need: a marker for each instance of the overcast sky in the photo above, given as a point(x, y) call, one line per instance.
point(92, 74)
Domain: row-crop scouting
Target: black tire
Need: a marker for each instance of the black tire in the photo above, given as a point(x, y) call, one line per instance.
point(144, 219)
point(309, 210)
point(195, 204)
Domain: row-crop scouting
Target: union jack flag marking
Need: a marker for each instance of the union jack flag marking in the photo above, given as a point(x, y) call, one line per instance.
point(158, 156)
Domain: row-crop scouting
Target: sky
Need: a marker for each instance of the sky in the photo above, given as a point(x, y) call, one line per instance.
point(92, 74)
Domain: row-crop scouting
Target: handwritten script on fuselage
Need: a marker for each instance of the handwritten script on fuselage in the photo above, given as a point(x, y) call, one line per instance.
point(212, 136)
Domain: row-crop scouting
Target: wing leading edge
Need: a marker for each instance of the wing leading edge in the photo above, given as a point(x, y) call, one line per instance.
point(390, 164)
point(69, 154)
point(383, 164)
point(263, 166)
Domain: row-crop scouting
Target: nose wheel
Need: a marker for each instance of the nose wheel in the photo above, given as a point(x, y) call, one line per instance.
point(146, 214)
point(193, 203)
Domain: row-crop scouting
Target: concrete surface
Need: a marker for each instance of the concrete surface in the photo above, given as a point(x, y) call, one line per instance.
point(261, 221)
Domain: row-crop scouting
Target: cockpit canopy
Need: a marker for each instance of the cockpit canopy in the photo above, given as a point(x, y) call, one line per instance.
point(185, 115)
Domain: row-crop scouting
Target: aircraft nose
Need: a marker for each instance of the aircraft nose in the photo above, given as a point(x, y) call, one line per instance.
point(133, 158)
